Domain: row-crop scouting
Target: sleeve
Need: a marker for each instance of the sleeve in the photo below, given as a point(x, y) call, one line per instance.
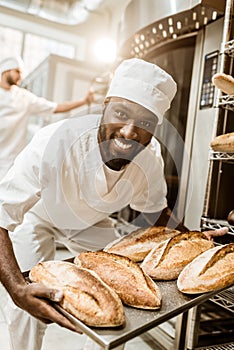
point(20, 188)
point(39, 105)
point(151, 195)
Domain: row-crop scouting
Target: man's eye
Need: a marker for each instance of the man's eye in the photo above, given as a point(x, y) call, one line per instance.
point(121, 115)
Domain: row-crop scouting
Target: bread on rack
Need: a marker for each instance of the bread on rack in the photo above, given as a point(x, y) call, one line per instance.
point(86, 296)
point(133, 286)
point(167, 259)
point(224, 82)
point(137, 244)
point(212, 270)
point(223, 143)
point(230, 218)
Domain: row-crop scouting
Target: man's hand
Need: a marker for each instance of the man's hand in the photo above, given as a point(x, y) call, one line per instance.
point(216, 233)
point(89, 97)
point(36, 300)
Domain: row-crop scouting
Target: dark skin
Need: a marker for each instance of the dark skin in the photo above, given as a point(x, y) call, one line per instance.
point(33, 298)
point(126, 129)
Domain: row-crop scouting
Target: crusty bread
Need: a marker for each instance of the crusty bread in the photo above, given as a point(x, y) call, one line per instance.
point(128, 280)
point(223, 143)
point(213, 269)
point(224, 82)
point(86, 296)
point(137, 244)
point(167, 259)
point(230, 218)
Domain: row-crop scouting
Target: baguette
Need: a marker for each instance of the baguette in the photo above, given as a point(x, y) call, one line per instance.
point(167, 259)
point(223, 143)
point(212, 270)
point(133, 286)
point(86, 296)
point(137, 244)
point(224, 82)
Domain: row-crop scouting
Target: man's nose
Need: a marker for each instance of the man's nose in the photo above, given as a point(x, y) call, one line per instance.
point(129, 131)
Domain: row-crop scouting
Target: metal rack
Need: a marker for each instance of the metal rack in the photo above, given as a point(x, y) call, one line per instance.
point(223, 302)
point(221, 155)
point(225, 299)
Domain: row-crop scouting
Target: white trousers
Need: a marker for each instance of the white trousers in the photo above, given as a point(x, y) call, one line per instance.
point(35, 241)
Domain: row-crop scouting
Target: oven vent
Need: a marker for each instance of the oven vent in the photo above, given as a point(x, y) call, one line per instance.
point(171, 27)
point(70, 12)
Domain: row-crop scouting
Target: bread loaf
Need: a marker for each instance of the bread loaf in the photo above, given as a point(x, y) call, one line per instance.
point(128, 280)
point(223, 143)
point(212, 270)
point(167, 259)
point(224, 82)
point(86, 296)
point(230, 218)
point(137, 244)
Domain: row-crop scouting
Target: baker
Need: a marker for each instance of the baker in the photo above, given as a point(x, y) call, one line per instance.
point(16, 106)
point(67, 182)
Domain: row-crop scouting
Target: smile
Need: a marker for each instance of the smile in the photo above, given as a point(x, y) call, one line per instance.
point(122, 145)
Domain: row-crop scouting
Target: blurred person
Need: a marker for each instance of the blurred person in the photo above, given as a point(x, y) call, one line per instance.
point(16, 106)
point(66, 183)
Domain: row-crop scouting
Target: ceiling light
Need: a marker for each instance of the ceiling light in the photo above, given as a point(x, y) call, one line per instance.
point(105, 50)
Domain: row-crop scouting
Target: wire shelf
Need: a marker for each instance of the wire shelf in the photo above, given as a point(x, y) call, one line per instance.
point(225, 299)
point(228, 346)
point(213, 224)
point(229, 48)
point(215, 155)
point(226, 101)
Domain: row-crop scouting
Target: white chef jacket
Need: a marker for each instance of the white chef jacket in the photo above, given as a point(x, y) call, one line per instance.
point(62, 171)
point(16, 105)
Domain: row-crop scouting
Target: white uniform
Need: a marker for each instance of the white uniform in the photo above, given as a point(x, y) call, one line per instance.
point(61, 177)
point(16, 105)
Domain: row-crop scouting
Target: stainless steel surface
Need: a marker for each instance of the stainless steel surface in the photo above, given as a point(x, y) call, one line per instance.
point(139, 321)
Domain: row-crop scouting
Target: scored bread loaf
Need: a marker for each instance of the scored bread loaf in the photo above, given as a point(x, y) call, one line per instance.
point(168, 258)
point(223, 143)
point(224, 82)
point(86, 296)
point(127, 279)
point(137, 244)
point(213, 269)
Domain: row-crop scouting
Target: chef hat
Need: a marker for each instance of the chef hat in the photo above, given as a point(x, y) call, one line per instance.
point(11, 63)
point(143, 83)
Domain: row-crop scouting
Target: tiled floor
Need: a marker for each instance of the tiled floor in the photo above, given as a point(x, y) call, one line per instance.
point(60, 339)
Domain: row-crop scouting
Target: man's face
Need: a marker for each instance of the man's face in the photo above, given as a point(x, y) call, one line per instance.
point(125, 130)
point(13, 76)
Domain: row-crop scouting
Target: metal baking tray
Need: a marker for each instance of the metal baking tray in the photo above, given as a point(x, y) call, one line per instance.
point(139, 321)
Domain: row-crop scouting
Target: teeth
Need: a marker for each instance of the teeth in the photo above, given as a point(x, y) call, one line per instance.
point(122, 145)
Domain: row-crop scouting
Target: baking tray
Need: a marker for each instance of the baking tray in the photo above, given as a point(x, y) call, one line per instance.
point(139, 321)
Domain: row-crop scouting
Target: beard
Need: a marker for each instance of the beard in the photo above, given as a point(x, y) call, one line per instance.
point(11, 81)
point(113, 158)
point(117, 163)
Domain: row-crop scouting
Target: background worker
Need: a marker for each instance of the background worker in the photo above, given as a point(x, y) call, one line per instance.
point(16, 106)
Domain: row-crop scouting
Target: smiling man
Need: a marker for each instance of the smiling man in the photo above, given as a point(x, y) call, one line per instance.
point(66, 183)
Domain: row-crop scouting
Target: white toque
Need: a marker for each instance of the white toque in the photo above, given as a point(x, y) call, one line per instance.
point(144, 83)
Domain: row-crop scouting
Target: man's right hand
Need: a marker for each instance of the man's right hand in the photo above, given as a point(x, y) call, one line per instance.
point(36, 300)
